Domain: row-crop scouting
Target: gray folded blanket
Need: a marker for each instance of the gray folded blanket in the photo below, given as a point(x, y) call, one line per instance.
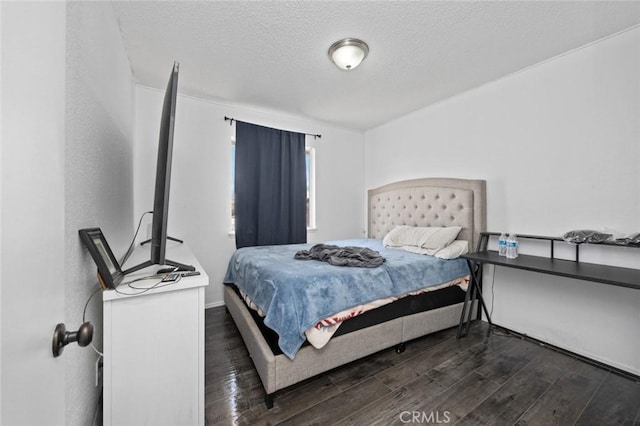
point(342, 256)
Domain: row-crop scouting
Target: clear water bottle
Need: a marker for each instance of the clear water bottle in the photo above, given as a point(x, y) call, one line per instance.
point(502, 244)
point(512, 247)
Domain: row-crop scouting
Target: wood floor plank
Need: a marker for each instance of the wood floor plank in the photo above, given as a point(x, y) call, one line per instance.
point(225, 364)
point(291, 401)
point(388, 408)
point(458, 400)
point(340, 406)
point(219, 365)
point(236, 382)
point(455, 368)
point(228, 406)
point(565, 400)
point(401, 374)
point(503, 367)
point(617, 401)
point(521, 391)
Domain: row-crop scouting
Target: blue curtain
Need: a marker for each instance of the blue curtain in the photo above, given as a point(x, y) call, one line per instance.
point(270, 186)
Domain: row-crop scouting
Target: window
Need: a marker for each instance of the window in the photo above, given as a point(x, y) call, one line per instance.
point(311, 186)
point(310, 154)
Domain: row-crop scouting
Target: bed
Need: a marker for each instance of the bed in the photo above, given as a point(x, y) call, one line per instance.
point(428, 202)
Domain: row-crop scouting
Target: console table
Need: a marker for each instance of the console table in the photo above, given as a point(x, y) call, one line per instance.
point(612, 275)
point(154, 347)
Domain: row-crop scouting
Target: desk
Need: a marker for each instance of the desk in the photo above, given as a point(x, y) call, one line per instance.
point(612, 275)
point(154, 348)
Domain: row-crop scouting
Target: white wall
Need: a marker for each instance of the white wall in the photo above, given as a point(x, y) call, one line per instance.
point(558, 144)
point(0, 212)
point(67, 147)
point(32, 227)
point(200, 203)
point(98, 178)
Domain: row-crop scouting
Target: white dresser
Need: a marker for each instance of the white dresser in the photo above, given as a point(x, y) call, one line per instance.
point(154, 348)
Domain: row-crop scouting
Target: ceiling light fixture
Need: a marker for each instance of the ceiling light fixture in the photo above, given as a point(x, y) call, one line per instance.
point(348, 53)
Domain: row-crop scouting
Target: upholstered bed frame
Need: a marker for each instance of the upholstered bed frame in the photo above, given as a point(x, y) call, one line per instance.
point(419, 202)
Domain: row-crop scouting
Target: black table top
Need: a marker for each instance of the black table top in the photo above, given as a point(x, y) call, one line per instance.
point(614, 275)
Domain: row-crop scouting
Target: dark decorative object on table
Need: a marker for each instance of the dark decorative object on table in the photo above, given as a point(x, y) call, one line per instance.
point(585, 236)
point(630, 240)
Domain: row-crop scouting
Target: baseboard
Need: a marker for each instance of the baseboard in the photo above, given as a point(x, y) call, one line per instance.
point(214, 304)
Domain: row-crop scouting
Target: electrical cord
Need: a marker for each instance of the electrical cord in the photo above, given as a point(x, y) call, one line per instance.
point(146, 277)
point(84, 311)
point(100, 354)
point(133, 241)
point(122, 261)
point(496, 330)
point(128, 284)
point(155, 286)
point(159, 284)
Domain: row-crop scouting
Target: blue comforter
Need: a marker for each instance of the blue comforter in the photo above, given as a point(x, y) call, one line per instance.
point(296, 294)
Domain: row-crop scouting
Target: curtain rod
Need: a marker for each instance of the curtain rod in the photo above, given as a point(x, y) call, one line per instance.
point(231, 120)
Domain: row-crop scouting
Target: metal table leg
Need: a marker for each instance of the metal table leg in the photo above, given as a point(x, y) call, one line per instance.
point(472, 292)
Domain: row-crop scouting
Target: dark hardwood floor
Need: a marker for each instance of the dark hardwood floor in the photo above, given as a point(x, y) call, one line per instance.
point(438, 380)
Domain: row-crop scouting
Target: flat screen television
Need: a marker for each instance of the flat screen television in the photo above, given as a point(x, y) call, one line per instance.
point(163, 182)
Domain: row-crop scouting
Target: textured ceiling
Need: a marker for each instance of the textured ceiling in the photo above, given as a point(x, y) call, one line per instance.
point(273, 54)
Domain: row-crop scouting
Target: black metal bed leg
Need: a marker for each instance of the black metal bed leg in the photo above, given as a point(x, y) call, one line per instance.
point(268, 400)
point(400, 347)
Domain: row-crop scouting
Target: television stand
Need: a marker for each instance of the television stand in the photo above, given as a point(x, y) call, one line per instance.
point(154, 343)
point(168, 262)
point(168, 238)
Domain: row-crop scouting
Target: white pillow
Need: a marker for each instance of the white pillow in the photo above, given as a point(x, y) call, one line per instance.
point(418, 250)
point(453, 250)
point(433, 238)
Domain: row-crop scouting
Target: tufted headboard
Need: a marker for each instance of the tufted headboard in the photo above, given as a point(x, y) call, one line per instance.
point(430, 202)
